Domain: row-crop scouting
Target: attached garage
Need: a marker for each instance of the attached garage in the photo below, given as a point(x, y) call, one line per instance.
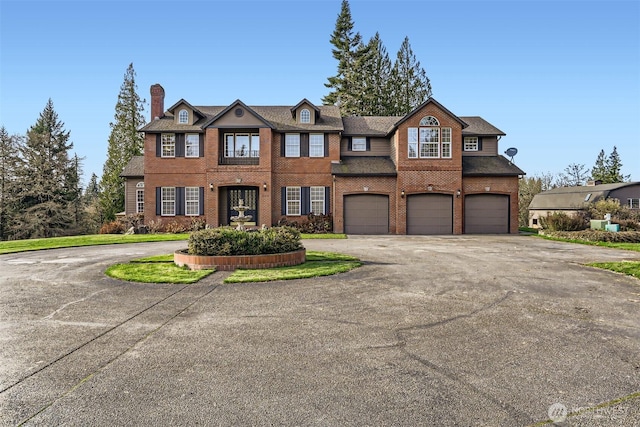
point(366, 214)
point(486, 214)
point(430, 214)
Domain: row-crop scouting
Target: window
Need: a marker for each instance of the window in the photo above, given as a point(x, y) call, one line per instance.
point(317, 200)
point(305, 116)
point(316, 145)
point(192, 200)
point(446, 143)
point(412, 138)
point(470, 143)
point(634, 203)
point(183, 116)
point(429, 141)
point(242, 145)
point(168, 145)
point(359, 144)
point(293, 200)
point(140, 200)
point(168, 201)
point(292, 145)
point(192, 145)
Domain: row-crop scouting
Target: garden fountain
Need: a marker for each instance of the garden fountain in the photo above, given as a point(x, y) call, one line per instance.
point(241, 218)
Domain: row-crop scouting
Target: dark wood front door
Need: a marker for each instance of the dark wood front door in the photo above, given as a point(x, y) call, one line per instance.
point(249, 196)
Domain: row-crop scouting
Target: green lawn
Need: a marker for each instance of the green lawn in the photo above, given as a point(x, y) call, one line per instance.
point(161, 269)
point(631, 268)
point(615, 245)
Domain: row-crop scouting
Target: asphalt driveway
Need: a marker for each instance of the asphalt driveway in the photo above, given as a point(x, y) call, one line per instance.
point(446, 331)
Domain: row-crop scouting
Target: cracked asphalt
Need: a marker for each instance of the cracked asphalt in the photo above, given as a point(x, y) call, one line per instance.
point(432, 330)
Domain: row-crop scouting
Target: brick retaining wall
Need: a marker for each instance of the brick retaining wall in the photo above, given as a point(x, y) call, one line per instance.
point(231, 262)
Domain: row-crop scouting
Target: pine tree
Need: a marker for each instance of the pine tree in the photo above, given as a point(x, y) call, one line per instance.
point(599, 169)
point(376, 67)
point(91, 203)
point(46, 187)
point(614, 168)
point(124, 142)
point(411, 86)
point(9, 148)
point(344, 84)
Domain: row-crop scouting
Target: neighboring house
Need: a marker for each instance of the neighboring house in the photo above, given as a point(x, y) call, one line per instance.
point(571, 200)
point(429, 172)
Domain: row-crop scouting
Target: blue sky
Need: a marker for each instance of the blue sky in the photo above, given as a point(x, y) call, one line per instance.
point(560, 78)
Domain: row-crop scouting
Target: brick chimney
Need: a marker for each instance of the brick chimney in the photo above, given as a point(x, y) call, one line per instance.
point(157, 101)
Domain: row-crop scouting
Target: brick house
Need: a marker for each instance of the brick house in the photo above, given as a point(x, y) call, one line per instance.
point(429, 172)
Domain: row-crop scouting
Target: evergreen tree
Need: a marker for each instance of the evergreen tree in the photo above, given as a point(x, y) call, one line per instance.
point(614, 167)
point(599, 169)
point(376, 99)
point(91, 203)
point(9, 148)
point(46, 179)
point(344, 84)
point(411, 86)
point(124, 142)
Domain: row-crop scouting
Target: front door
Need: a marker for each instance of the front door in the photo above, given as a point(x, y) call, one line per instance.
point(249, 196)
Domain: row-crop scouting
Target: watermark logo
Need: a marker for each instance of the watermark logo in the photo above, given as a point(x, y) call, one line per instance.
point(557, 412)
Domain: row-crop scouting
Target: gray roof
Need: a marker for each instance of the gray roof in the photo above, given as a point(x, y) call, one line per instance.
point(489, 166)
point(134, 168)
point(364, 166)
point(571, 198)
point(369, 125)
point(277, 117)
point(480, 127)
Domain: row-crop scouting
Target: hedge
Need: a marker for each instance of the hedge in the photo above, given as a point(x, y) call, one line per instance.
point(229, 241)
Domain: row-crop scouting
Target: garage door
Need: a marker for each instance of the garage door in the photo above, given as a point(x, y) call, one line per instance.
point(430, 214)
point(486, 214)
point(366, 214)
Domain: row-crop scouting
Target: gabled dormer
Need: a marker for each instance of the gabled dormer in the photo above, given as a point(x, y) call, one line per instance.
point(184, 113)
point(305, 113)
point(238, 115)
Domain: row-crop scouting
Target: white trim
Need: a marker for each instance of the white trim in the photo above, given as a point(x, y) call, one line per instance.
point(181, 118)
point(187, 201)
point(293, 202)
point(290, 145)
point(319, 145)
point(362, 143)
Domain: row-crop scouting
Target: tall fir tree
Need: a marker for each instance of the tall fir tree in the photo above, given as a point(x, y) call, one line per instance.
point(411, 86)
point(124, 142)
point(376, 68)
point(344, 84)
point(46, 179)
point(599, 169)
point(91, 203)
point(9, 148)
point(608, 169)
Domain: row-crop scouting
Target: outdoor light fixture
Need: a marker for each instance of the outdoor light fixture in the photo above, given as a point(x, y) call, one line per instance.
point(430, 187)
point(458, 193)
point(264, 186)
point(211, 186)
point(402, 194)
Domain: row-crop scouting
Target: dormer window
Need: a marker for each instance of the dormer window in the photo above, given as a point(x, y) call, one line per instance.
point(305, 116)
point(183, 117)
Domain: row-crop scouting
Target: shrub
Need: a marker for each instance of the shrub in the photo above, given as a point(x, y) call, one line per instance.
point(113, 227)
point(229, 241)
point(313, 224)
point(597, 236)
point(560, 221)
point(602, 207)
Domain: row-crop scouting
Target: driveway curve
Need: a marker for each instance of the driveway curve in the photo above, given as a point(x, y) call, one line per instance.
point(432, 330)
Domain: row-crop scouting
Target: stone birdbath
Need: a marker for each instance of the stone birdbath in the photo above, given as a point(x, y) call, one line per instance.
point(241, 218)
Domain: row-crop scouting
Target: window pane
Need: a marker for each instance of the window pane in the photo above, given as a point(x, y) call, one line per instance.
point(413, 150)
point(446, 149)
point(242, 145)
point(183, 117)
point(255, 145)
point(305, 116)
point(192, 200)
point(292, 145)
point(316, 145)
point(229, 150)
point(192, 145)
point(317, 200)
point(168, 201)
point(139, 201)
point(168, 145)
point(471, 143)
point(412, 135)
point(293, 200)
point(359, 144)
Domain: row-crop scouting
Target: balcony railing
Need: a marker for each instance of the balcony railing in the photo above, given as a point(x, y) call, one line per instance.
point(239, 160)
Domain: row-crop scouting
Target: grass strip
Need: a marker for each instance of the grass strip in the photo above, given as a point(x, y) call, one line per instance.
point(631, 268)
point(156, 272)
point(13, 246)
point(614, 245)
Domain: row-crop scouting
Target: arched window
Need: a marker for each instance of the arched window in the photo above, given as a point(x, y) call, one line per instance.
point(429, 121)
point(305, 116)
point(183, 116)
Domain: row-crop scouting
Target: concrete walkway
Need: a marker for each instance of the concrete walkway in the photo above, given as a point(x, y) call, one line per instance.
point(447, 331)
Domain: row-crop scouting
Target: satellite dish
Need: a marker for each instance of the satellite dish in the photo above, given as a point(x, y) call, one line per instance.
point(511, 152)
